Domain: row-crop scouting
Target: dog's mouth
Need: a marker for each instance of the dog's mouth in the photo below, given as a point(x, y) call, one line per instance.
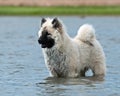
point(46, 43)
point(45, 40)
point(43, 45)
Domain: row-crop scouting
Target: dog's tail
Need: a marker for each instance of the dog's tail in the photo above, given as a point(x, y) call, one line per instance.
point(86, 33)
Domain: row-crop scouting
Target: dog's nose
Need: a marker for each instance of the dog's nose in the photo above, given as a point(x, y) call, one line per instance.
point(39, 41)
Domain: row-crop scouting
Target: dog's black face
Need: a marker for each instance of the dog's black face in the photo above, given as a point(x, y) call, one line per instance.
point(45, 40)
point(49, 33)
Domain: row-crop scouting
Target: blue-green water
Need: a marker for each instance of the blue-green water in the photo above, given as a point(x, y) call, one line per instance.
point(22, 68)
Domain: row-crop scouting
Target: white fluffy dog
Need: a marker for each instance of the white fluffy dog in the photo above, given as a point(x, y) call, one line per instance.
point(70, 57)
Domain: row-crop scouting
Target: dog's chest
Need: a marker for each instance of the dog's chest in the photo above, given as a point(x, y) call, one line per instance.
point(57, 62)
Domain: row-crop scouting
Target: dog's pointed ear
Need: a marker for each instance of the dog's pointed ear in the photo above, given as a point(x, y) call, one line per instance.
point(56, 23)
point(43, 21)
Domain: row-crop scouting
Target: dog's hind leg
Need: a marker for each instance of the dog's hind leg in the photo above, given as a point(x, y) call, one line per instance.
point(82, 72)
point(99, 69)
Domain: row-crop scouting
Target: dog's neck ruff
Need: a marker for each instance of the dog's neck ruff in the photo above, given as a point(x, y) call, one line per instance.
point(56, 57)
point(56, 62)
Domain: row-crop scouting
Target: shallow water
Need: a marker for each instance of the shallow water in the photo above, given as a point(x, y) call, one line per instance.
point(22, 68)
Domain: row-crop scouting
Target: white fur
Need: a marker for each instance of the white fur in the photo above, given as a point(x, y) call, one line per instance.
point(70, 56)
point(86, 33)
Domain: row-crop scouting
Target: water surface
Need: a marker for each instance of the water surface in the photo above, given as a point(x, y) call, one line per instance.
point(22, 68)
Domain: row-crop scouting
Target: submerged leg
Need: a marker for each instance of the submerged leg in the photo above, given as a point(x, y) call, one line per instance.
point(99, 70)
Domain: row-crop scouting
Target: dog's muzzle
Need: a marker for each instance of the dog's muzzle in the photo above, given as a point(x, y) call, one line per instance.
point(45, 40)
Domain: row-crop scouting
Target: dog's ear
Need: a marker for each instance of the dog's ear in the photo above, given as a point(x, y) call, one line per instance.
point(43, 21)
point(56, 23)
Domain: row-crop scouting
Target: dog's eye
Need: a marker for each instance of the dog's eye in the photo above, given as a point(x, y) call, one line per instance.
point(48, 35)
